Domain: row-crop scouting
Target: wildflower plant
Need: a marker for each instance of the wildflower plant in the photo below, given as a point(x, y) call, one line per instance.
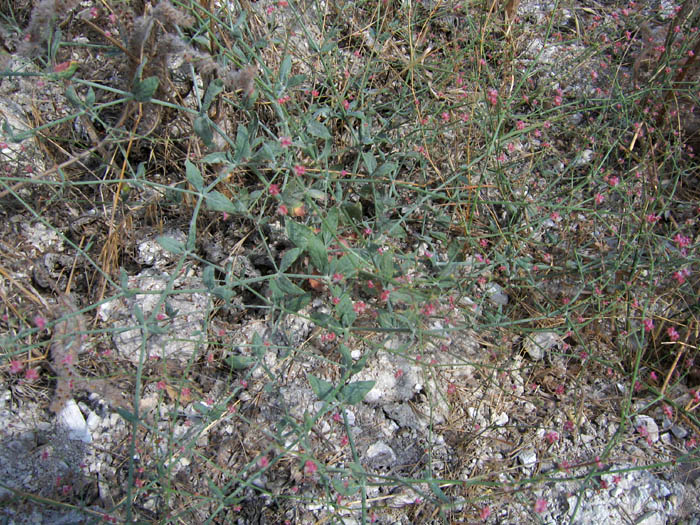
point(373, 194)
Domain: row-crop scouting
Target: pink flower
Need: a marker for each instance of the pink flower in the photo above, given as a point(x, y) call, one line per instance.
point(274, 189)
point(161, 385)
point(16, 366)
point(599, 198)
point(346, 104)
point(493, 96)
point(282, 210)
point(299, 169)
point(520, 125)
point(678, 276)
point(551, 437)
point(681, 240)
point(429, 309)
point(672, 333)
point(263, 462)
point(31, 374)
point(451, 389)
point(540, 505)
point(668, 411)
point(344, 441)
point(310, 467)
point(651, 218)
point(485, 513)
point(384, 295)
point(359, 307)
point(557, 100)
point(39, 322)
point(285, 142)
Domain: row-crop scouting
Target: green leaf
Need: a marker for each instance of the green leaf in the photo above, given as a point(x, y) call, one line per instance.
point(385, 169)
point(128, 416)
point(345, 354)
point(296, 80)
point(321, 388)
point(242, 143)
point(370, 162)
point(140, 171)
point(353, 210)
point(193, 176)
point(317, 195)
point(285, 68)
point(217, 201)
point(204, 131)
point(170, 245)
point(218, 157)
point(90, 98)
point(215, 87)
point(223, 292)
point(294, 304)
point(318, 253)
point(345, 311)
point(318, 130)
point(73, 97)
point(239, 362)
point(284, 286)
point(356, 391)
point(208, 277)
point(289, 257)
point(298, 233)
point(145, 89)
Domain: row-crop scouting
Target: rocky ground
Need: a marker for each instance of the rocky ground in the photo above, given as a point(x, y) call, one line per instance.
point(138, 382)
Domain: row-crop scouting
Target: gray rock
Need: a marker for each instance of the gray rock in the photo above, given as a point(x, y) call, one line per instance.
point(679, 432)
point(537, 344)
point(380, 455)
point(651, 427)
point(496, 294)
point(176, 337)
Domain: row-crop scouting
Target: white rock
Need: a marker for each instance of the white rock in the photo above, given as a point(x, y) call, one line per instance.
point(527, 458)
point(380, 454)
point(500, 419)
point(93, 421)
point(651, 426)
point(496, 294)
point(71, 419)
point(537, 344)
